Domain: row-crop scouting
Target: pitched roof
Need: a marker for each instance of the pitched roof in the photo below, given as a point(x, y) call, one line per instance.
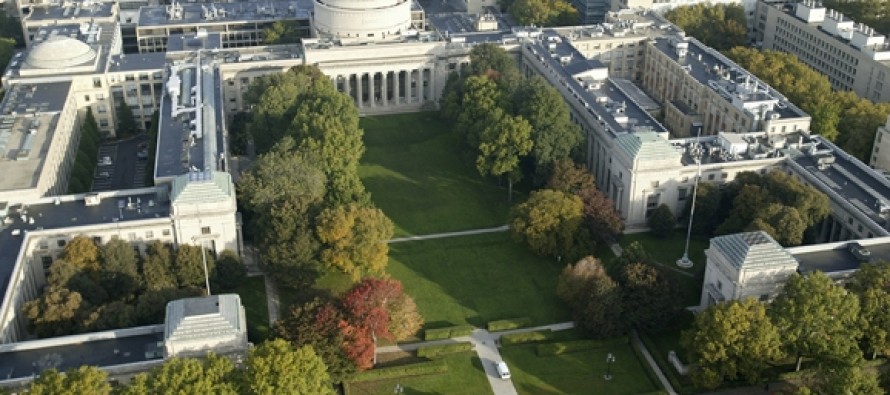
point(202, 187)
point(646, 146)
point(203, 318)
point(752, 249)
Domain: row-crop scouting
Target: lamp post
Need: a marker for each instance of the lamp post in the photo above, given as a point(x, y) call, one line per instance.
point(204, 262)
point(684, 262)
point(399, 389)
point(610, 359)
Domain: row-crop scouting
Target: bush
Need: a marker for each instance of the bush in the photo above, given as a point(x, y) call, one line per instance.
point(662, 221)
point(526, 337)
point(415, 369)
point(447, 333)
point(502, 325)
point(577, 345)
point(435, 351)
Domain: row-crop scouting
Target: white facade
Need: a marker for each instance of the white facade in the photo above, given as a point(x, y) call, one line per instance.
point(880, 153)
point(363, 19)
point(195, 326)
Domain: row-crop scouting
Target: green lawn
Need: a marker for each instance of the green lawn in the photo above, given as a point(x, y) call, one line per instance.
point(417, 175)
point(253, 297)
point(464, 376)
point(476, 279)
point(667, 250)
point(577, 373)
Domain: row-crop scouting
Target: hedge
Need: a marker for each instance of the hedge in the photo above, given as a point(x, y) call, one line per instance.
point(447, 333)
point(677, 381)
point(502, 325)
point(414, 369)
point(526, 337)
point(435, 351)
point(577, 345)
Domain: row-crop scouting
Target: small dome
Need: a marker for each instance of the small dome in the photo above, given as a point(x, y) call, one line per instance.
point(59, 52)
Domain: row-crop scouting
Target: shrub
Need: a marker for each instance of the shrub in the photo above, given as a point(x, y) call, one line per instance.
point(447, 333)
point(526, 337)
point(502, 325)
point(577, 345)
point(435, 351)
point(414, 369)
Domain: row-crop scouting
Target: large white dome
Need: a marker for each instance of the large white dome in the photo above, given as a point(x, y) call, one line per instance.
point(59, 52)
point(366, 19)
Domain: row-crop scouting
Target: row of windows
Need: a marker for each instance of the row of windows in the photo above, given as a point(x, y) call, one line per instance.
point(132, 236)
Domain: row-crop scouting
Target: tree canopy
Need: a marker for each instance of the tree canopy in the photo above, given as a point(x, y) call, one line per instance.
point(548, 222)
point(719, 26)
point(543, 12)
point(871, 283)
point(274, 367)
point(83, 380)
point(354, 239)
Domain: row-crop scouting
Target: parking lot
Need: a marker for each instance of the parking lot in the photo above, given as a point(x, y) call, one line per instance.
point(121, 165)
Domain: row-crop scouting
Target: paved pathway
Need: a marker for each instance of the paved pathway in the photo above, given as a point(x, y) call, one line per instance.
point(503, 228)
point(272, 300)
point(635, 337)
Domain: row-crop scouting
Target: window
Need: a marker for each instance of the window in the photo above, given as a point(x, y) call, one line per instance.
point(681, 194)
point(129, 77)
point(710, 177)
point(97, 240)
point(97, 82)
point(100, 96)
point(205, 230)
point(654, 184)
point(86, 98)
point(42, 245)
point(136, 250)
point(101, 109)
point(764, 297)
point(103, 123)
point(132, 236)
point(149, 234)
point(60, 243)
point(46, 261)
point(719, 285)
point(165, 232)
point(850, 220)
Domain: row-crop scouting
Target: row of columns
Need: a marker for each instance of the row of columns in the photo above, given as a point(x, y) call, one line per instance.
point(388, 88)
point(833, 230)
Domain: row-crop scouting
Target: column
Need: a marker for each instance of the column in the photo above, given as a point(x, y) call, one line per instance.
point(358, 88)
point(417, 84)
point(372, 94)
point(383, 87)
point(395, 87)
point(433, 96)
point(831, 235)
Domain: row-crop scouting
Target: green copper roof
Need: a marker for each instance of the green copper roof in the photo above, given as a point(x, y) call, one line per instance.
point(202, 187)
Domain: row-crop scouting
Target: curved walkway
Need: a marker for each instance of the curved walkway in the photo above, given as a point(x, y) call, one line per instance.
point(502, 228)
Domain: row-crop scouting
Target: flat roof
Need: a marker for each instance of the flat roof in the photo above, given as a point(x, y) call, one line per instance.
point(28, 118)
point(72, 10)
point(135, 62)
point(839, 259)
point(101, 353)
point(72, 211)
point(222, 13)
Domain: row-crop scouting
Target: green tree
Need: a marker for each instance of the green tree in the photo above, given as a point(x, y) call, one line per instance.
point(120, 272)
point(189, 265)
point(598, 311)
point(7, 49)
point(317, 324)
point(554, 134)
point(193, 376)
point(662, 221)
point(502, 144)
point(126, 123)
point(492, 60)
point(481, 97)
point(283, 32)
point(817, 319)
point(274, 367)
point(114, 315)
point(544, 12)
point(719, 26)
point(354, 239)
point(732, 340)
point(569, 177)
point(83, 253)
point(651, 297)
point(452, 94)
point(83, 380)
point(708, 202)
point(230, 271)
point(157, 267)
point(871, 283)
point(574, 278)
point(151, 306)
point(847, 380)
point(548, 222)
point(56, 312)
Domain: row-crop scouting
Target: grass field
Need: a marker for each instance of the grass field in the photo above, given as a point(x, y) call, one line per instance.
point(414, 169)
point(577, 373)
point(253, 297)
point(476, 279)
point(464, 376)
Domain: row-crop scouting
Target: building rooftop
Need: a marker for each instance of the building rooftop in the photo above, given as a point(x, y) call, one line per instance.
point(736, 85)
point(70, 49)
point(69, 9)
point(732, 147)
point(752, 249)
point(28, 118)
point(215, 13)
point(101, 353)
point(72, 211)
point(837, 25)
point(135, 62)
point(203, 317)
point(837, 258)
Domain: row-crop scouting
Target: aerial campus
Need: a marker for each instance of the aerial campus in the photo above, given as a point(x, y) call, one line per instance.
point(444, 197)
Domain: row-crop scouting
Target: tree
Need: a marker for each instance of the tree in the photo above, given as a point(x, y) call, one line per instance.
point(651, 297)
point(274, 367)
point(633, 253)
point(547, 222)
point(569, 177)
point(316, 323)
point(120, 273)
point(83, 380)
point(83, 253)
point(189, 265)
point(55, 313)
point(354, 239)
point(662, 221)
point(502, 143)
point(554, 135)
point(126, 123)
point(283, 32)
point(871, 283)
point(847, 380)
point(600, 217)
point(708, 202)
point(598, 311)
point(492, 60)
point(574, 278)
point(151, 306)
point(7, 49)
point(212, 374)
point(382, 307)
point(719, 26)
point(784, 223)
point(230, 272)
point(732, 340)
point(114, 315)
point(157, 267)
point(544, 12)
point(452, 94)
point(817, 319)
point(404, 319)
point(481, 97)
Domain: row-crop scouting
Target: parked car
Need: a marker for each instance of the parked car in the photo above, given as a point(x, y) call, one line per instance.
point(503, 371)
point(103, 174)
point(861, 253)
point(105, 161)
point(143, 154)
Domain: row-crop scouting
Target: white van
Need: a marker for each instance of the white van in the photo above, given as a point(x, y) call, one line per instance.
point(503, 372)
